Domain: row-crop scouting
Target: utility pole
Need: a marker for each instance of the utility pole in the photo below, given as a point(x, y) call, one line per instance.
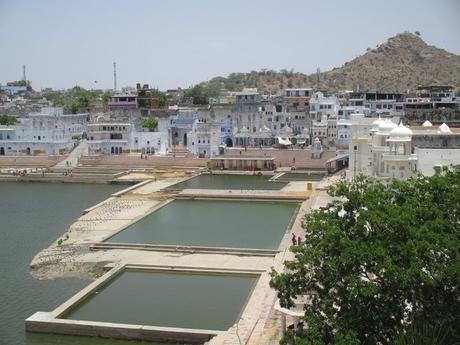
point(114, 76)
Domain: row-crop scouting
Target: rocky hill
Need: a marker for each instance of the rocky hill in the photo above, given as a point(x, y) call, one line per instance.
point(399, 64)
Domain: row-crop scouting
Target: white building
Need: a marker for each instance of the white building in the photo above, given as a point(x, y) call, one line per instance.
point(50, 132)
point(118, 138)
point(343, 134)
point(383, 149)
point(321, 109)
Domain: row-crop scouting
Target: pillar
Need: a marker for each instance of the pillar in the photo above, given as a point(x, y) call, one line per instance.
point(283, 324)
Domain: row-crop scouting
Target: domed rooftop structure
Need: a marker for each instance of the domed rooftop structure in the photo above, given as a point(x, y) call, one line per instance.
point(386, 126)
point(264, 129)
point(444, 129)
point(377, 122)
point(401, 131)
point(427, 124)
point(286, 130)
point(244, 129)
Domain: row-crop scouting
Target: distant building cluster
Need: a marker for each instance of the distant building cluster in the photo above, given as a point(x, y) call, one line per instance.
point(383, 134)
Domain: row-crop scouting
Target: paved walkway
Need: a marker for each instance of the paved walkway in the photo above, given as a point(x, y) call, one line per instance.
point(72, 158)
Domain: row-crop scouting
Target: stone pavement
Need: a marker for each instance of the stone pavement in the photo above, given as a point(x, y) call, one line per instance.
point(72, 158)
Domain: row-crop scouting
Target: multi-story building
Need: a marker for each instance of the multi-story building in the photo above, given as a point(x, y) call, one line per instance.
point(297, 100)
point(49, 132)
point(123, 101)
point(119, 138)
point(383, 149)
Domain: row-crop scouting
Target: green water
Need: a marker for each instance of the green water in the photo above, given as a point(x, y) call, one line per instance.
point(32, 215)
point(210, 181)
point(313, 176)
point(168, 300)
point(213, 223)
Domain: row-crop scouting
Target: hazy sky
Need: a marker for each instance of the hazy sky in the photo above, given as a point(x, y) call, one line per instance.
point(179, 43)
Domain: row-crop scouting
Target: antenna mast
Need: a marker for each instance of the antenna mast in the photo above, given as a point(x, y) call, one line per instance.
point(114, 76)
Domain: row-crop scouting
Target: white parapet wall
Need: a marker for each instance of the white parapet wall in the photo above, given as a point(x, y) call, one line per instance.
point(429, 158)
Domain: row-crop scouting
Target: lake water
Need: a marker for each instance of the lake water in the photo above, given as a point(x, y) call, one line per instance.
point(217, 181)
point(32, 215)
point(185, 300)
point(213, 223)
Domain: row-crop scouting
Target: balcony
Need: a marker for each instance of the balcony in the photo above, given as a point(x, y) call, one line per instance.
point(122, 105)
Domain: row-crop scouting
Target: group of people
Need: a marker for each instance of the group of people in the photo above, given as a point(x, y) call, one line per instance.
point(20, 172)
point(68, 172)
point(296, 240)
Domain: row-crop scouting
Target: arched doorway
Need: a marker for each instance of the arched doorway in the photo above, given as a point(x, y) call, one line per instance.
point(2, 151)
point(112, 150)
point(185, 139)
point(28, 151)
point(120, 150)
point(229, 142)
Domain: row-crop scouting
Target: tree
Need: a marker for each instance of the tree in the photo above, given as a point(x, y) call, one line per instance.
point(417, 33)
point(163, 101)
point(106, 97)
point(378, 258)
point(199, 94)
point(6, 120)
point(151, 123)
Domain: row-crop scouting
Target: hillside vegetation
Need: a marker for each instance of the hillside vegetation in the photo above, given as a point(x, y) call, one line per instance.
point(400, 64)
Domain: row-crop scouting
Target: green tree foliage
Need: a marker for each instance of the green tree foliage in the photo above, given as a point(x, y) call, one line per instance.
point(378, 257)
point(151, 123)
point(106, 97)
point(6, 120)
point(199, 93)
point(19, 83)
point(163, 101)
point(74, 100)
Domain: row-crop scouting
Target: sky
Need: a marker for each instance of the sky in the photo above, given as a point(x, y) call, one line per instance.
point(178, 43)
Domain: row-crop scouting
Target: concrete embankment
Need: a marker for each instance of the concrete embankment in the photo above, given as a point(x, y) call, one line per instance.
point(80, 251)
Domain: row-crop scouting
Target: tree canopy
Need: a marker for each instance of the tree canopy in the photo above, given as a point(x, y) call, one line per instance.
point(76, 99)
point(379, 258)
point(163, 101)
point(151, 123)
point(6, 120)
point(199, 93)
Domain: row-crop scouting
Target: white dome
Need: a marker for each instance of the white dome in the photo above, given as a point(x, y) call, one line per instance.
point(386, 126)
point(377, 122)
point(264, 129)
point(286, 129)
point(427, 124)
point(244, 130)
point(444, 129)
point(317, 140)
point(400, 131)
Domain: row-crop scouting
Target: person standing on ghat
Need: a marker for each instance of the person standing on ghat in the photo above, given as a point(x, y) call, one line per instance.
point(294, 240)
